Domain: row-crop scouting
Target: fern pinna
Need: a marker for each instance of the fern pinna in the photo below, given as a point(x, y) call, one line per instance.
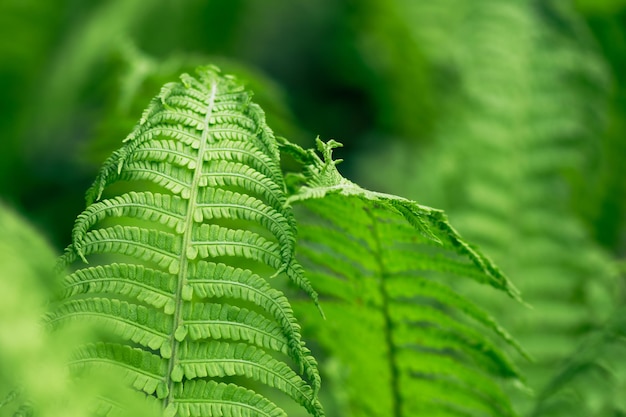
point(408, 344)
point(182, 260)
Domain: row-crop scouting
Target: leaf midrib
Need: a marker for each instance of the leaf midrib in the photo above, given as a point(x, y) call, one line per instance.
point(384, 308)
point(186, 242)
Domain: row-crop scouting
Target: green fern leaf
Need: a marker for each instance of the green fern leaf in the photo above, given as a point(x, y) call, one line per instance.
point(410, 344)
point(523, 111)
point(174, 257)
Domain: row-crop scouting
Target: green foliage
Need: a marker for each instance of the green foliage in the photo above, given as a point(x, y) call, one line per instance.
point(176, 280)
point(26, 39)
point(383, 265)
point(33, 378)
point(507, 114)
point(25, 287)
point(592, 381)
point(522, 119)
point(219, 206)
point(142, 75)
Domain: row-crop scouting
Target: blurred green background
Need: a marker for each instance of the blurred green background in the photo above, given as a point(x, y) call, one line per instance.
point(508, 114)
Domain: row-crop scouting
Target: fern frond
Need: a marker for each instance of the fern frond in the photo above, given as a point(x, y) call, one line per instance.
point(410, 343)
point(591, 382)
point(524, 112)
point(163, 288)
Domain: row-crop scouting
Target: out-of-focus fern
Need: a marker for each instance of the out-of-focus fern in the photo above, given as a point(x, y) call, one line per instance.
point(592, 381)
point(382, 40)
point(600, 195)
point(87, 44)
point(33, 376)
point(25, 287)
point(92, 38)
point(524, 111)
point(184, 288)
point(408, 343)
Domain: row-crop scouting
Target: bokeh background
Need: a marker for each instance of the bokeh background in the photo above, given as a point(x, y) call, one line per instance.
point(508, 114)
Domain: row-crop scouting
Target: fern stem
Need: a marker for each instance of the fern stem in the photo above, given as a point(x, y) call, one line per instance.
point(187, 236)
point(391, 357)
